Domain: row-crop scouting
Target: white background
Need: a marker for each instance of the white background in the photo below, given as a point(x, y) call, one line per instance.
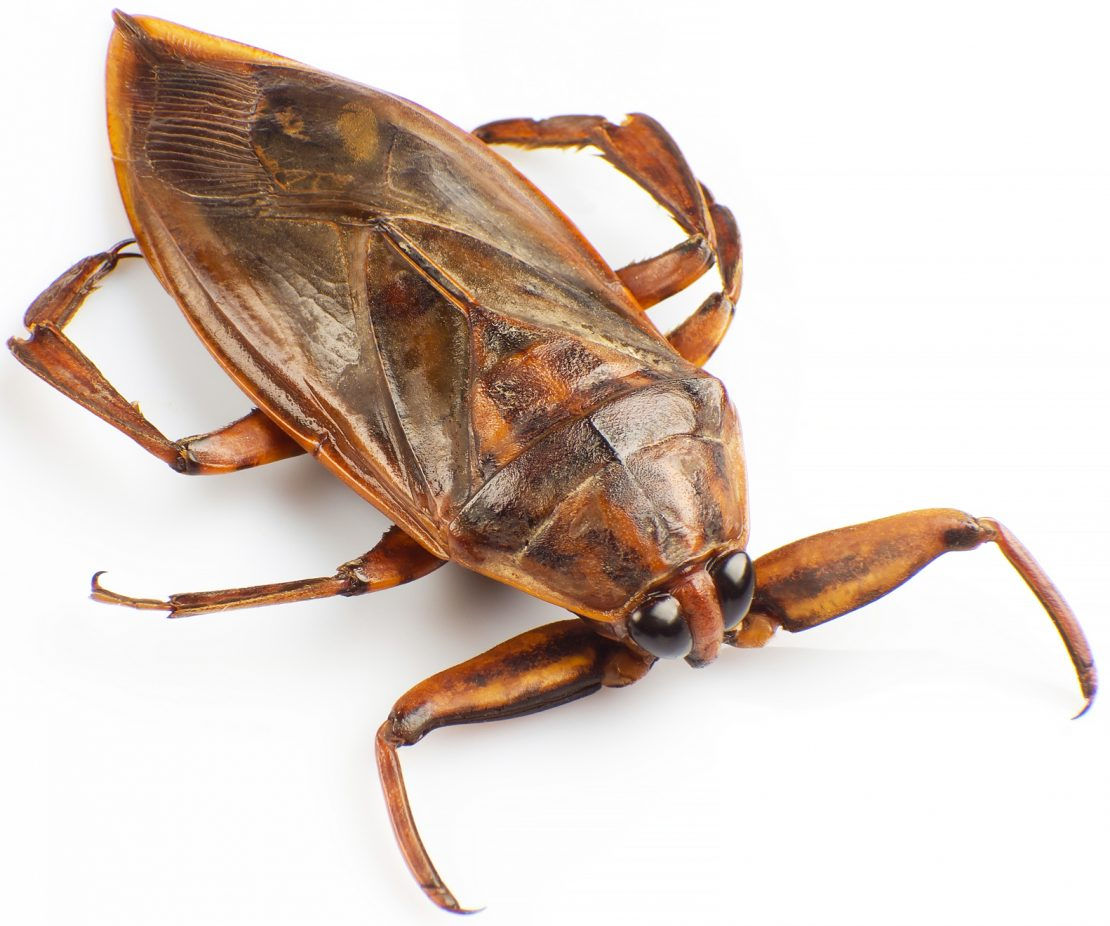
point(923, 191)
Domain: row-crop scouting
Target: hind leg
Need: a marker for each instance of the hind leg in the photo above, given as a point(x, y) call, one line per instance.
point(396, 559)
point(641, 149)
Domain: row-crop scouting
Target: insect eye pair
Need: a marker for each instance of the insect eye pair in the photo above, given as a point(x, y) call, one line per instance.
point(659, 626)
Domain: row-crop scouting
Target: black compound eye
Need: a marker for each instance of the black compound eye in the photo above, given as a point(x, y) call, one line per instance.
point(735, 580)
point(659, 627)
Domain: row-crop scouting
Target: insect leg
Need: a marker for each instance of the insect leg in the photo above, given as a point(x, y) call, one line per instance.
point(539, 669)
point(641, 149)
point(49, 354)
point(819, 578)
point(654, 279)
point(396, 559)
point(251, 441)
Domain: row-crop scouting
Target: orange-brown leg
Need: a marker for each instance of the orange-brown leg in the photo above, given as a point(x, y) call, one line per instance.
point(641, 149)
point(396, 559)
point(539, 669)
point(819, 578)
point(250, 441)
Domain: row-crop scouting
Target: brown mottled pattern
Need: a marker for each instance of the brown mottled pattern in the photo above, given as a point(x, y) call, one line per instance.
point(601, 508)
point(408, 307)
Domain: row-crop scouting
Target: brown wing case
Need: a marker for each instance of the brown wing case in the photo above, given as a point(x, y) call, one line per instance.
point(405, 304)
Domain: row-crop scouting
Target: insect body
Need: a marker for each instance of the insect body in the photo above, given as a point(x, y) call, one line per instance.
point(398, 301)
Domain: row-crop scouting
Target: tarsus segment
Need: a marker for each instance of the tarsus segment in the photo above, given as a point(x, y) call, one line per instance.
point(1058, 609)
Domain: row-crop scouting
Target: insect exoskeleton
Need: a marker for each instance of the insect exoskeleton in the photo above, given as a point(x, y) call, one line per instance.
point(396, 300)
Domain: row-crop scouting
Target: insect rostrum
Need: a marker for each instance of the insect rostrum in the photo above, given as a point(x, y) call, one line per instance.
point(396, 300)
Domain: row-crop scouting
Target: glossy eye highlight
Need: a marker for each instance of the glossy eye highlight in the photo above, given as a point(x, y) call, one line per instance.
point(734, 577)
point(659, 627)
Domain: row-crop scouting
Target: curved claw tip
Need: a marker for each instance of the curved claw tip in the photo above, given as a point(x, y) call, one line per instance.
point(96, 590)
point(1088, 684)
point(462, 911)
point(445, 900)
point(120, 245)
point(107, 596)
point(1086, 707)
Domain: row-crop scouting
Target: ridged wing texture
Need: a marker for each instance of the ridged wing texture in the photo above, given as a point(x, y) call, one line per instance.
point(198, 133)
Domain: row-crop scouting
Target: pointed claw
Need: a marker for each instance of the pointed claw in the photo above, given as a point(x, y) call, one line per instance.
point(1088, 684)
point(100, 593)
point(116, 251)
point(445, 900)
point(1088, 681)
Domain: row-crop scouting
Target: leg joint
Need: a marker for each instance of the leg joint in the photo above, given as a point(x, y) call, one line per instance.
point(355, 581)
point(969, 534)
point(405, 726)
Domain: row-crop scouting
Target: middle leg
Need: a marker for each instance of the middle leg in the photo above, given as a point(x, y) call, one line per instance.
point(48, 353)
